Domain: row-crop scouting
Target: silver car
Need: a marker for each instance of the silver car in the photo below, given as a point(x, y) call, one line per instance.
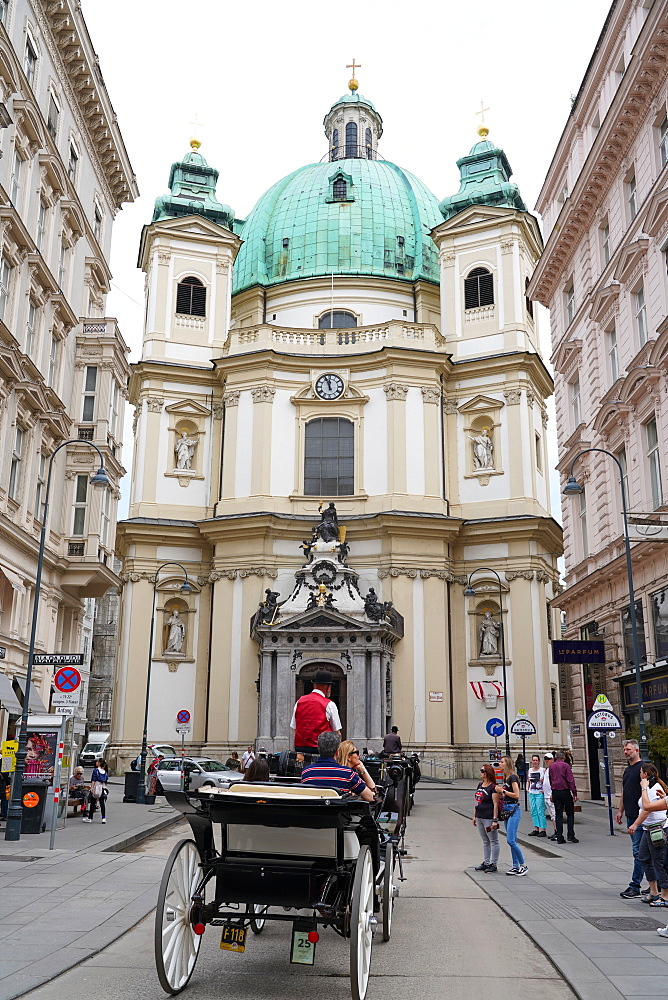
point(198, 771)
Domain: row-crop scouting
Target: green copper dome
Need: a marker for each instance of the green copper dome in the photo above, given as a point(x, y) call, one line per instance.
point(350, 216)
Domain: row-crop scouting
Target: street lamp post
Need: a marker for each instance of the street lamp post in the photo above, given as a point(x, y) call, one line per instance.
point(185, 589)
point(573, 488)
point(470, 592)
point(15, 810)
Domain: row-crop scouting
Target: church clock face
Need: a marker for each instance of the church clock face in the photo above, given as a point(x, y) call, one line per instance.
point(329, 386)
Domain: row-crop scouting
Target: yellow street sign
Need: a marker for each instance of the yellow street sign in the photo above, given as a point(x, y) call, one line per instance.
point(8, 750)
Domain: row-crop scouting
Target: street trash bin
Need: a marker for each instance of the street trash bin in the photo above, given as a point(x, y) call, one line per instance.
point(33, 803)
point(131, 785)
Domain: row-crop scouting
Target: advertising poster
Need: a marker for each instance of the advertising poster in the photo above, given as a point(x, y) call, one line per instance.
point(40, 757)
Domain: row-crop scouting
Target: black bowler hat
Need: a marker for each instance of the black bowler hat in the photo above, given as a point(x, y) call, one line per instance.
point(323, 677)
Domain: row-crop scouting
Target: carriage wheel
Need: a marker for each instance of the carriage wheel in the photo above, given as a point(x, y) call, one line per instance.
point(388, 891)
point(361, 926)
point(257, 924)
point(176, 944)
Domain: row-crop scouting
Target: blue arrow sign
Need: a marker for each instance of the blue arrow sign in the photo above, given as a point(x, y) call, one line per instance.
point(495, 727)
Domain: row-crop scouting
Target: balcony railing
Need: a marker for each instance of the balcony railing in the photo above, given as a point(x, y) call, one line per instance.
point(362, 338)
point(347, 152)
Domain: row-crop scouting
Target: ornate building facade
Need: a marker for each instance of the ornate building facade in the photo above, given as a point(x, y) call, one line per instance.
point(604, 205)
point(64, 174)
point(354, 342)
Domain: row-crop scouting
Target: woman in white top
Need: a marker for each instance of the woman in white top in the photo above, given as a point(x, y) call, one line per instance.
point(652, 818)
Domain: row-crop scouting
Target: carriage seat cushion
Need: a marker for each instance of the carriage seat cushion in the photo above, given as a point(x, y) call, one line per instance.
point(275, 791)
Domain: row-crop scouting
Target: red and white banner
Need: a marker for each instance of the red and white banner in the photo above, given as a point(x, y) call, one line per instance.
point(483, 688)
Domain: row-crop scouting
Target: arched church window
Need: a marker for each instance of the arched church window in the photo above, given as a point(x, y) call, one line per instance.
point(335, 144)
point(479, 288)
point(340, 189)
point(351, 139)
point(337, 319)
point(191, 297)
point(529, 303)
point(367, 140)
point(329, 451)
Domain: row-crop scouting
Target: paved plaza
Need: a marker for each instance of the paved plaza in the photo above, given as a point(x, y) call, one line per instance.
point(87, 909)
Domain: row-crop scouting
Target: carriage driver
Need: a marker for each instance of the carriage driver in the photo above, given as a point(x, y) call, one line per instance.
point(326, 772)
point(315, 713)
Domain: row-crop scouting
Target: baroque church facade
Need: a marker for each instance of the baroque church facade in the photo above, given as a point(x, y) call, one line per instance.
point(352, 342)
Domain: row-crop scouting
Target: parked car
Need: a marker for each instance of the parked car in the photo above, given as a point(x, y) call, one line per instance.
point(198, 771)
point(94, 749)
point(152, 751)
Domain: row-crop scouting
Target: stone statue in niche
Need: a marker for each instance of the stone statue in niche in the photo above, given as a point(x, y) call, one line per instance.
point(328, 529)
point(177, 633)
point(488, 634)
point(185, 449)
point(483, 450)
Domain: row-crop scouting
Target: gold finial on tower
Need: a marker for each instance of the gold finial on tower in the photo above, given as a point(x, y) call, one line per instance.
point(353, 85)
point(195, 141)
point(483, 131)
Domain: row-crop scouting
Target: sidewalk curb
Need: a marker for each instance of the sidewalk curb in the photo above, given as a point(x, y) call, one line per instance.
point(589, 989)
point(121, 845)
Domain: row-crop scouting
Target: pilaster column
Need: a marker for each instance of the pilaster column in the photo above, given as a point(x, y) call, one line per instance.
point(263, 397)
point(396, 437)
point(231, 404)
point(433, 452)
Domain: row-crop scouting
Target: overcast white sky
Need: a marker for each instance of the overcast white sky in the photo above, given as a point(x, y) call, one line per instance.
point(261, 76)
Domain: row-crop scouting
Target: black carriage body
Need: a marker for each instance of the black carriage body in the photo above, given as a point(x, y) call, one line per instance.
point(279, 853)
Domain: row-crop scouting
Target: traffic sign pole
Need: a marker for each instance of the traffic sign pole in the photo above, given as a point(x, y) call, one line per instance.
point(607, 782)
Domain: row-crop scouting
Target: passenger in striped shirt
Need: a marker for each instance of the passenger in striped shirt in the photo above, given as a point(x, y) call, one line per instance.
point(325, 772)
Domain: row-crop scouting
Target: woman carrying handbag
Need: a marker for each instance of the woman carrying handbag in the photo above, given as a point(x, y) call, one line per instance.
point(485, 819)
point(98, 791)
point(512, 814)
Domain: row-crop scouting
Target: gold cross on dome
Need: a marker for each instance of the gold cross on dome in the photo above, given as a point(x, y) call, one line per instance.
point(354, 66)
point(195, 141)
point(482, 112)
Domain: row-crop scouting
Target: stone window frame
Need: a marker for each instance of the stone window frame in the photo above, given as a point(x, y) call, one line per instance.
point(350, 406)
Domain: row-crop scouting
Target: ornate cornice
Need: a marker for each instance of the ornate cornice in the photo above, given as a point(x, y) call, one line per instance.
point(231, 574)
point(630, 108)
point(64, 34)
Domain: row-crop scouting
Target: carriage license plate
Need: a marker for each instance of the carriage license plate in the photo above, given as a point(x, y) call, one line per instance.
point(303, 950)
point(233, 937)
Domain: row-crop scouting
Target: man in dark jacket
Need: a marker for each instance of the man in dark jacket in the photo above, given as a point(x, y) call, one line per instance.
point(564, 796)
point(392, 741)
point(628, 806)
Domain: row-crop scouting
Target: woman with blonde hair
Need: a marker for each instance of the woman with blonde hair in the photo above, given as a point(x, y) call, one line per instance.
point(349, 756)
point(512, 814)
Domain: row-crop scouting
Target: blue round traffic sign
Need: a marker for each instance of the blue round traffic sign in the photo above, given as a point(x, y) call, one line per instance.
point(495, 727)
point(67, 679)
point(183, 717)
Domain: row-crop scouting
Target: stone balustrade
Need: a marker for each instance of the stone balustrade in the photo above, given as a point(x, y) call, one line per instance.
point(395, 333)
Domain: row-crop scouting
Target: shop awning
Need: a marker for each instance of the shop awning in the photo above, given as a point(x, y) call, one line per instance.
point(36, 704)
point(15, 580)
point(8, 699)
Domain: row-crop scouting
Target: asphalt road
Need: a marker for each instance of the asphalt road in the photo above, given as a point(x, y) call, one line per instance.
point(448, 939)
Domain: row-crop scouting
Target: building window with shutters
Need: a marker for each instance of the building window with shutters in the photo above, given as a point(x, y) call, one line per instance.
point(613, 355)
point(41, 487)
point(640, 307)
point(30, 60)
point(654, 462)
point(632, 196)
point(479, 288)
point(53, 116)
point(73, 163)
point(329, 452)
point(569, 303)
point(576, 407)
point(191, 297)
point(90, 387)
point(80, 501)
point(15, 467)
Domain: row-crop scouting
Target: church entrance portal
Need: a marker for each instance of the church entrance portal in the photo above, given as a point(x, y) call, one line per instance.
point(339, 694)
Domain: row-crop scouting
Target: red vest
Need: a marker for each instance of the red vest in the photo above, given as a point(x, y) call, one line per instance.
point(311, 719)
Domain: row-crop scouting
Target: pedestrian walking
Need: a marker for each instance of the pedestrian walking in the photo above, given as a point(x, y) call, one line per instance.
point(536, 797)
point(521, 769)
point(486, 818)
point(547, 793)
point(628, 808)
point(233, 761)
point(247, 758)
point(564, 796)
point(512, 814)
point(651, 820)
point(98, 791)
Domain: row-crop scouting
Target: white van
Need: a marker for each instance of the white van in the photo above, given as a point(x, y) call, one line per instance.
point(94, 749)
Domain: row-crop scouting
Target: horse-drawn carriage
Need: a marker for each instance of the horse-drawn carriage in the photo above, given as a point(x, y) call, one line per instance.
point(287, 853)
